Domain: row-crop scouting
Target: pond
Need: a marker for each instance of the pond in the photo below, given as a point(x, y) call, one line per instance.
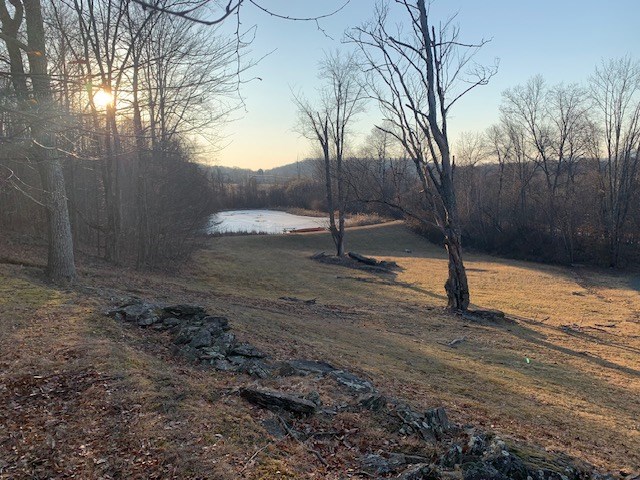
point(262, 221)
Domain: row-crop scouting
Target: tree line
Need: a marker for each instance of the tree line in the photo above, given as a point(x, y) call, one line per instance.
point(100, 106)
point(557, 179)
point(103, 107)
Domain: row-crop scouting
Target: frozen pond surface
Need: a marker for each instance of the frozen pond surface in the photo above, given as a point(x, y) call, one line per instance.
point(261, 221)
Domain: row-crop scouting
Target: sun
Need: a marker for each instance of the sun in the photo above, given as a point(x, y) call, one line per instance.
point(102, 98)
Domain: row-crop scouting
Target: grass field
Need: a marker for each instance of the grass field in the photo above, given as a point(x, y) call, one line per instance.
point(564, 375)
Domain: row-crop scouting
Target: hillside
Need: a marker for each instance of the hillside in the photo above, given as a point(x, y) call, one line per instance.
point(85, 395)
point(303, 168)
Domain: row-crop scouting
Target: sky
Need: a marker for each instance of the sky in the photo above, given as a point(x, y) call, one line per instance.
point(563, 40)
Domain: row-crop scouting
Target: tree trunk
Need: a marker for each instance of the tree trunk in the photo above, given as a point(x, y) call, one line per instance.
point(335, 232)
point(456, 286)
point(60, 265)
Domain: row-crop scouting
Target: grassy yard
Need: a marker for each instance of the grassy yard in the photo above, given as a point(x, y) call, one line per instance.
point(564, 375)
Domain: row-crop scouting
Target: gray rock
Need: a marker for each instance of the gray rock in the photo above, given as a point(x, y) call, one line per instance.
point(216, 322)
point(375, 464)
point(481, 471)
point(224, 366)
point(185, 334)
point(398, 460)
point(209, 353)
point(184, 310)
point(477, 444)
point(189, 353)
point(142, 313)
point(352, 382)
point(147, 319)
point(452, 457)
point(278, 400)
point(420, 472)
point(256, 368)
point(134, 311)
point(414, 422)
point(225, 343)
point(305, 367)
point(246, 350)
point(237, 359)
point(372, 401)
point(314, 397)
point(201, 338)
point(510, 466)
point(167, 324)
point(438, 421)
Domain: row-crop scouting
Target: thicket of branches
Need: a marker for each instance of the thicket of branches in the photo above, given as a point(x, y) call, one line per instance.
point(556, 179)
point(134, 193)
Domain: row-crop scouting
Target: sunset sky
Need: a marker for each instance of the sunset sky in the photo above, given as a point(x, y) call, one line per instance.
point(562, 39)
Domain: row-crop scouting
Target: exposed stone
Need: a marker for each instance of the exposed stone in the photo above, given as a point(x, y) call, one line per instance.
point(185, 334)
point(209, 353)
point(218, 322)
point(510, 466)
point(184, 310)
point(246, 350)
point(225, 343)
point(481, 471)
point(487, 315)
point(372, 401)
point(420, 472)
point(201, 338)
point(414, 422)
point(256, 368)
point(438, 421)
point(223, 365)
point(352, 382)
point(167, 324)
point(314, 397)
point(477, 444)
point(452, 457)
point(375, 464)
point(237, 359)
point(277, 400)
point(189, 353)
point(134, 311)
point(305, 367)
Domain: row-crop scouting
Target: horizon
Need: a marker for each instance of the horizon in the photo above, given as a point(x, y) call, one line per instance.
point(257, 138)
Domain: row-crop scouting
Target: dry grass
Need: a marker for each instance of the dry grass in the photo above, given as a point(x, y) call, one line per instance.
point(351, 220)
point(83, 395)
point(579, 328)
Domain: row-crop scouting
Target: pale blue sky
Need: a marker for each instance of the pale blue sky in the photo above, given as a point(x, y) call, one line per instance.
point(563, 40)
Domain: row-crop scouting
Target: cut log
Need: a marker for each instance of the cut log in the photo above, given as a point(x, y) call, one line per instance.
point(362, 259)
point(277, 400)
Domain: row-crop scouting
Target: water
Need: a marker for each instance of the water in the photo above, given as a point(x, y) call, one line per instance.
point(261, 221)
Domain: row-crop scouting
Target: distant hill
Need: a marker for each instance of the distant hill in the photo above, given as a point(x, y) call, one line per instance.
point(303, 168)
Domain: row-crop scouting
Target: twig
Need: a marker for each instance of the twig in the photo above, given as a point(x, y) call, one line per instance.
point(246, 465)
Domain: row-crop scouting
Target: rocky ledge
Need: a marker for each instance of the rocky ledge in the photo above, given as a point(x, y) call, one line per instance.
point(449, 450)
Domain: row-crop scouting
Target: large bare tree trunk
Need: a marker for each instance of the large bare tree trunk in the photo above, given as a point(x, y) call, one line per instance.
point(335, 231)
point(456, 286)
point(60, 264)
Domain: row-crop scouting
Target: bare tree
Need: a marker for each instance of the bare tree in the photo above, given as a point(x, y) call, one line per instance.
point(615, 90)
point(41, 115)
point(341, 99)
point(417, 77)
point(555, 127)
